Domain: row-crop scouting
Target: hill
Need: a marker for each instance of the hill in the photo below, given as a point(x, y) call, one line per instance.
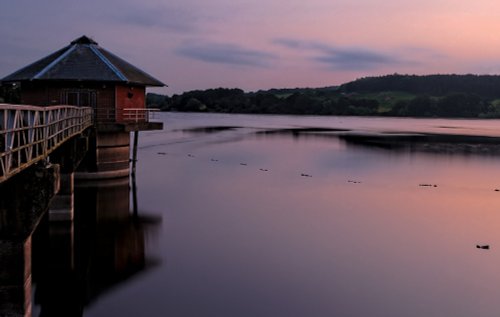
point(486, 86)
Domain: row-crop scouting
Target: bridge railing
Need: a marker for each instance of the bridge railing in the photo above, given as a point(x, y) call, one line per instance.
point(29, 133)
point(139, 114)
point(127, 115)
point(105, 115)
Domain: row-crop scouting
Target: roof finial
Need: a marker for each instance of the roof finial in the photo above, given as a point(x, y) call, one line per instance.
point(84, 40)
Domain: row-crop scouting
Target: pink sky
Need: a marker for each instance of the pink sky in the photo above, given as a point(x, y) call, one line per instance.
point(252, 44)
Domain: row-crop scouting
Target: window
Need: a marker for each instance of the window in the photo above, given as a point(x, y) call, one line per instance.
point(80, 97)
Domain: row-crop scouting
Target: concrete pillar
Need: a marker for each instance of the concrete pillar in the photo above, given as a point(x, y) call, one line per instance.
point(61, 227)
point(23, 202)
point(62, 205)
point(108, 157)
point(15, 278)
point(61, 215)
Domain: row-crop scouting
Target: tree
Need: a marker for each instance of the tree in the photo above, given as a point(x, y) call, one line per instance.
point(420, 106)
point(460, 105)
point(194, 104)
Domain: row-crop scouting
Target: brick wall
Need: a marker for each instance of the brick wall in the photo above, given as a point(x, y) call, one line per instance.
point(110, 99)
point(129, 97)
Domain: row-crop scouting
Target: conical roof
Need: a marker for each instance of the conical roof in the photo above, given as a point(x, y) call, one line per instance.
point(83, 60)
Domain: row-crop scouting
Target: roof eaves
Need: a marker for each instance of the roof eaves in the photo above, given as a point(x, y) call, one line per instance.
point(54, 62)
point(108, 63)
point(147, 80)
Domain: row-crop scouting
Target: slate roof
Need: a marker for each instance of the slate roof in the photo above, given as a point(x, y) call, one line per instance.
point(83, 60)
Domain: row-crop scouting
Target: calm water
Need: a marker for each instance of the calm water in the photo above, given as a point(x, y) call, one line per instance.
point(261, 218)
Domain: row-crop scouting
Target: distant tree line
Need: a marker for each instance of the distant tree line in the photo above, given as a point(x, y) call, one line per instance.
point(486, 86)
point(393, 95)
point(276, 101)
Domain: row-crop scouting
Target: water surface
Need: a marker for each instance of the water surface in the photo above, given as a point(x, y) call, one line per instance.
point(279, 216)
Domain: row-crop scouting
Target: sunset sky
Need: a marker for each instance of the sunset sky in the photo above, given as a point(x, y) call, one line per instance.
point(261, 44)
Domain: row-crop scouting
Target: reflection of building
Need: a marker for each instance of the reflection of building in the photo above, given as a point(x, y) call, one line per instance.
point(70, 263)
point(105, 249)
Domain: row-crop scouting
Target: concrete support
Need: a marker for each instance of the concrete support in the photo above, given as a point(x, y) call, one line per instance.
point(61, 227)
point(68, 156)
point(15, 278)
point(24, 201)
point(134, 151)
point(108, 157)
point(62, 206)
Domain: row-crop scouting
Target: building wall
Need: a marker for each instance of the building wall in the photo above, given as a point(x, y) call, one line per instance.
point(110, 99)
point(105, 110)
point(54, 93)
point(129, 97)
point(35, 95)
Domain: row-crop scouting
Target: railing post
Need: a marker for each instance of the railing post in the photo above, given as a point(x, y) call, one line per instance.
point(45, 134)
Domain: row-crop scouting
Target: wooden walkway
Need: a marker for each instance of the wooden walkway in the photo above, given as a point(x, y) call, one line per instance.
point(29, 134)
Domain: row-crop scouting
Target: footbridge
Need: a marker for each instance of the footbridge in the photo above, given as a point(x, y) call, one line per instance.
point(28, 134)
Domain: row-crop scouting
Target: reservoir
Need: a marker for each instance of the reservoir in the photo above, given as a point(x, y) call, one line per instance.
point(251, 215)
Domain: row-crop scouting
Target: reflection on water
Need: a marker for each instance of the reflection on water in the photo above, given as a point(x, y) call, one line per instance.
point(74, 263)
point(105, 247)
point(248, 235)
point(287, 216)
point(431, 143)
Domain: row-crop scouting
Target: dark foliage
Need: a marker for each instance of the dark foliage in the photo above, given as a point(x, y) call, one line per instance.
point(157, 101)
point(466, 96)
point(487, 86)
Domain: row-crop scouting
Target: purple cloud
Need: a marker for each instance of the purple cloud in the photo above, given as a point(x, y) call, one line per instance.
point(225, 54)
point(343, 58)
point(173, 19)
